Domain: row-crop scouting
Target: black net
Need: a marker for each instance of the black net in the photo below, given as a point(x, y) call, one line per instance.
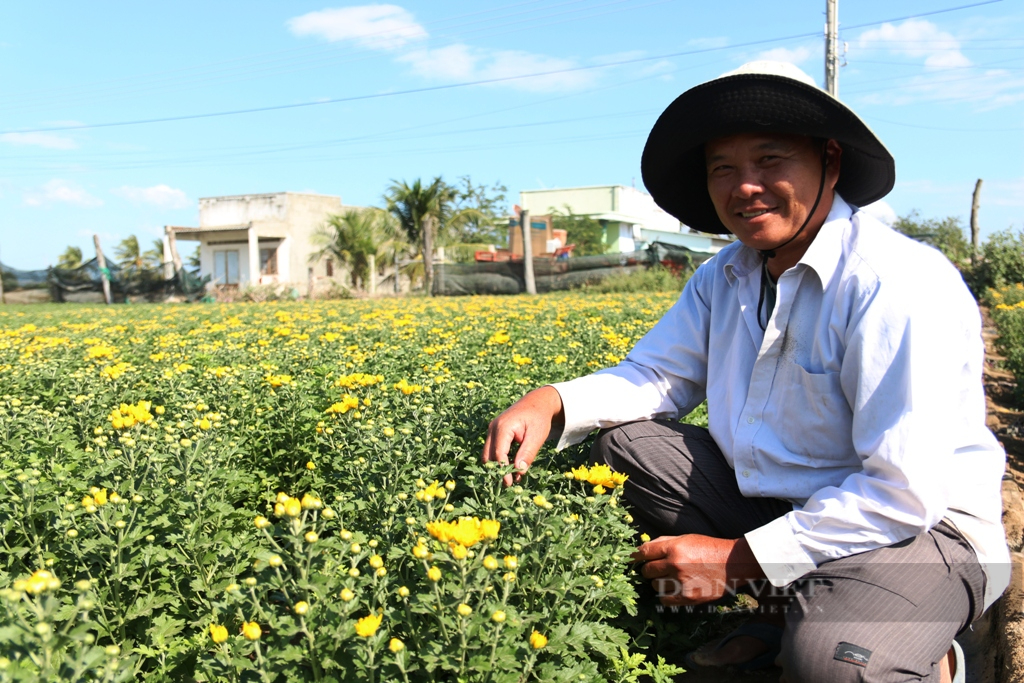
point(85, 283)
point(506, 277)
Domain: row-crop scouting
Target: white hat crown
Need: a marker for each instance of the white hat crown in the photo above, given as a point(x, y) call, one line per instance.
point(770, 68)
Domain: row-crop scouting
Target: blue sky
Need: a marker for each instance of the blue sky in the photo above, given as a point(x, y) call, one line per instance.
point(943, 91)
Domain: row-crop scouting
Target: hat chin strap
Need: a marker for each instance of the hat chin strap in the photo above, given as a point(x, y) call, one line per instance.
point(770, 253)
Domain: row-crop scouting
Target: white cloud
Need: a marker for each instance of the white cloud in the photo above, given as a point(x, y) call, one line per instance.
point(393, 28)
point(881, 211)
point(378, 27)
point(45, 140)
point(465, 63)
point(62, 191)
point(163, 196)
point(1004, 192)
point(796, 55)
point(917, 38)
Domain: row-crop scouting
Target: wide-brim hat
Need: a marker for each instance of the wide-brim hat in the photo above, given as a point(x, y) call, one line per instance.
point(758, 97)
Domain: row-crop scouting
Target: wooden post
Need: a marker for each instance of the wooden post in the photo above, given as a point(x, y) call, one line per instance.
point(172, 244)
point(373, 273)
point(524, 221)
point(104, 273)
point(975, 229)
point(427, 228)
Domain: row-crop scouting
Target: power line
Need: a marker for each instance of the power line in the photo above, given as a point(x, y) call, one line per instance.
point(464, 84)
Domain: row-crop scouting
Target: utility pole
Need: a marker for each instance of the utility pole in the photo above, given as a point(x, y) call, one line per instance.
point(975, 229)
point(104, 273)
point(831, 47)
point(524, 221)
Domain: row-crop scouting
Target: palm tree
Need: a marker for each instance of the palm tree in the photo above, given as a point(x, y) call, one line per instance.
point(424, 212)
point(353, 237)
point(70, 259)
point(128, 253)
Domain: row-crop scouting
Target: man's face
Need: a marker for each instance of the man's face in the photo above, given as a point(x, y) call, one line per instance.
point(764, 185)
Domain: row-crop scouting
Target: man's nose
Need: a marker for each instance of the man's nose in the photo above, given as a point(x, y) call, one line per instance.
point(748, 183)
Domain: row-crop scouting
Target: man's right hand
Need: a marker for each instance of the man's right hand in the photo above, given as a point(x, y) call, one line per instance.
point(527, 422)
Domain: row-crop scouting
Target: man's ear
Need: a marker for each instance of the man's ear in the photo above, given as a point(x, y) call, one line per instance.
point(833, 157)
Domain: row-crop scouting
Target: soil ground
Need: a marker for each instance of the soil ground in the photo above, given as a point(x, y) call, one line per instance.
point(994, 647)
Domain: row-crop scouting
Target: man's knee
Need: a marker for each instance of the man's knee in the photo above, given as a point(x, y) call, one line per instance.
point(813, 652)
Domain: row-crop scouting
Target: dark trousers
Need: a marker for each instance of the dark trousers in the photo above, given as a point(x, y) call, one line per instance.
point(899, 607)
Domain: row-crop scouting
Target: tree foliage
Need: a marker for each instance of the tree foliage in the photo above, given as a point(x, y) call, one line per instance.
point(947, 235)
point(486, 211)
point(585, 232)
point(354, 236)
point(71, 258)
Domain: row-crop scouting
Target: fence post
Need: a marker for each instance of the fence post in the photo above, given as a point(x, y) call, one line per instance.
point(104, 273)
point(524, 221)
point(373, 273)
point(427, 228)
point(975, 229)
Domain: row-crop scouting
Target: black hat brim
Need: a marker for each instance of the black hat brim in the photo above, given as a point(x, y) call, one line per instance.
point(673, 165)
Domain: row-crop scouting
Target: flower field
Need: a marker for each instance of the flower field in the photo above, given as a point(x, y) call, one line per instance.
point(294, 492)
point(1006, 305)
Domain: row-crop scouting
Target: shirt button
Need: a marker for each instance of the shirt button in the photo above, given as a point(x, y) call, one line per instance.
point(746, 473)
point(750, 420)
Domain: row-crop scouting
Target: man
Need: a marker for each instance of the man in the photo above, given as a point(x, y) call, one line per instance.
point(847, 460)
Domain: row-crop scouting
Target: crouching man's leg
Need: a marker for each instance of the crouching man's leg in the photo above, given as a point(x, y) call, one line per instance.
point(679, 481)
point(886, 615)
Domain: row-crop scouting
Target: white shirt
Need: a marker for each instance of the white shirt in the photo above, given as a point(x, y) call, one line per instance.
point(862, 402)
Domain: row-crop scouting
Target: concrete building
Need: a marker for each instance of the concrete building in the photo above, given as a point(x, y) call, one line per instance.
point(257, 239)
point(630, 217)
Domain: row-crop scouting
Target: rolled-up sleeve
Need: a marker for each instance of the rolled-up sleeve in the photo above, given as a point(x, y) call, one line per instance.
point(664, 376)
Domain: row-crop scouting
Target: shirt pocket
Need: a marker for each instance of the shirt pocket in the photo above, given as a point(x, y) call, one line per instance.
point(814, 419)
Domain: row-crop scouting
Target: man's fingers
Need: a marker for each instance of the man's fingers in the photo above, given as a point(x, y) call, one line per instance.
point(657, 569)
point(653, 550)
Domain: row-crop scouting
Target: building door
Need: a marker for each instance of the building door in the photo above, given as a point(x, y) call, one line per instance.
point(225, 267)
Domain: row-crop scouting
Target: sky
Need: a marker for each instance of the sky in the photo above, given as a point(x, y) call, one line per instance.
point(531, 94)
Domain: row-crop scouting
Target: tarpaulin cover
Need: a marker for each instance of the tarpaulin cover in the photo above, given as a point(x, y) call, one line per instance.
point(124, 282)
point(551, 275)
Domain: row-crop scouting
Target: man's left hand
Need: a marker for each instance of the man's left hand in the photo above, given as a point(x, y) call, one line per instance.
point(693, 569)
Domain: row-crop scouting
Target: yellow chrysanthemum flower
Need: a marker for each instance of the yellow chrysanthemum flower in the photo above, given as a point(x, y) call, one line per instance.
point(368, 625)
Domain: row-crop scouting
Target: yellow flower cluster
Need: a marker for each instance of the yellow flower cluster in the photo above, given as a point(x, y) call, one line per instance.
point(41, 581)
point(114, 371)
point(358, 379)
point(346, 404)
point(467, 531)
point(279, 380)
point(126, 416)
point(100, 351)
point(435, 490)
point(599, 475)
point(287, 506)
point(407, 388)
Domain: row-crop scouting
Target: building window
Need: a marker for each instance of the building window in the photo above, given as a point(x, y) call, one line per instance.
point(330, 267)
point(225, 267)
point(268, 261)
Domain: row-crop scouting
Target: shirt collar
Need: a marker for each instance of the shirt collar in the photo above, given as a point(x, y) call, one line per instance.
point(822, 255)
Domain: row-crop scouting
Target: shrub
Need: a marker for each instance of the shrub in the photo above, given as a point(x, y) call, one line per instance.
point(654, 279)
